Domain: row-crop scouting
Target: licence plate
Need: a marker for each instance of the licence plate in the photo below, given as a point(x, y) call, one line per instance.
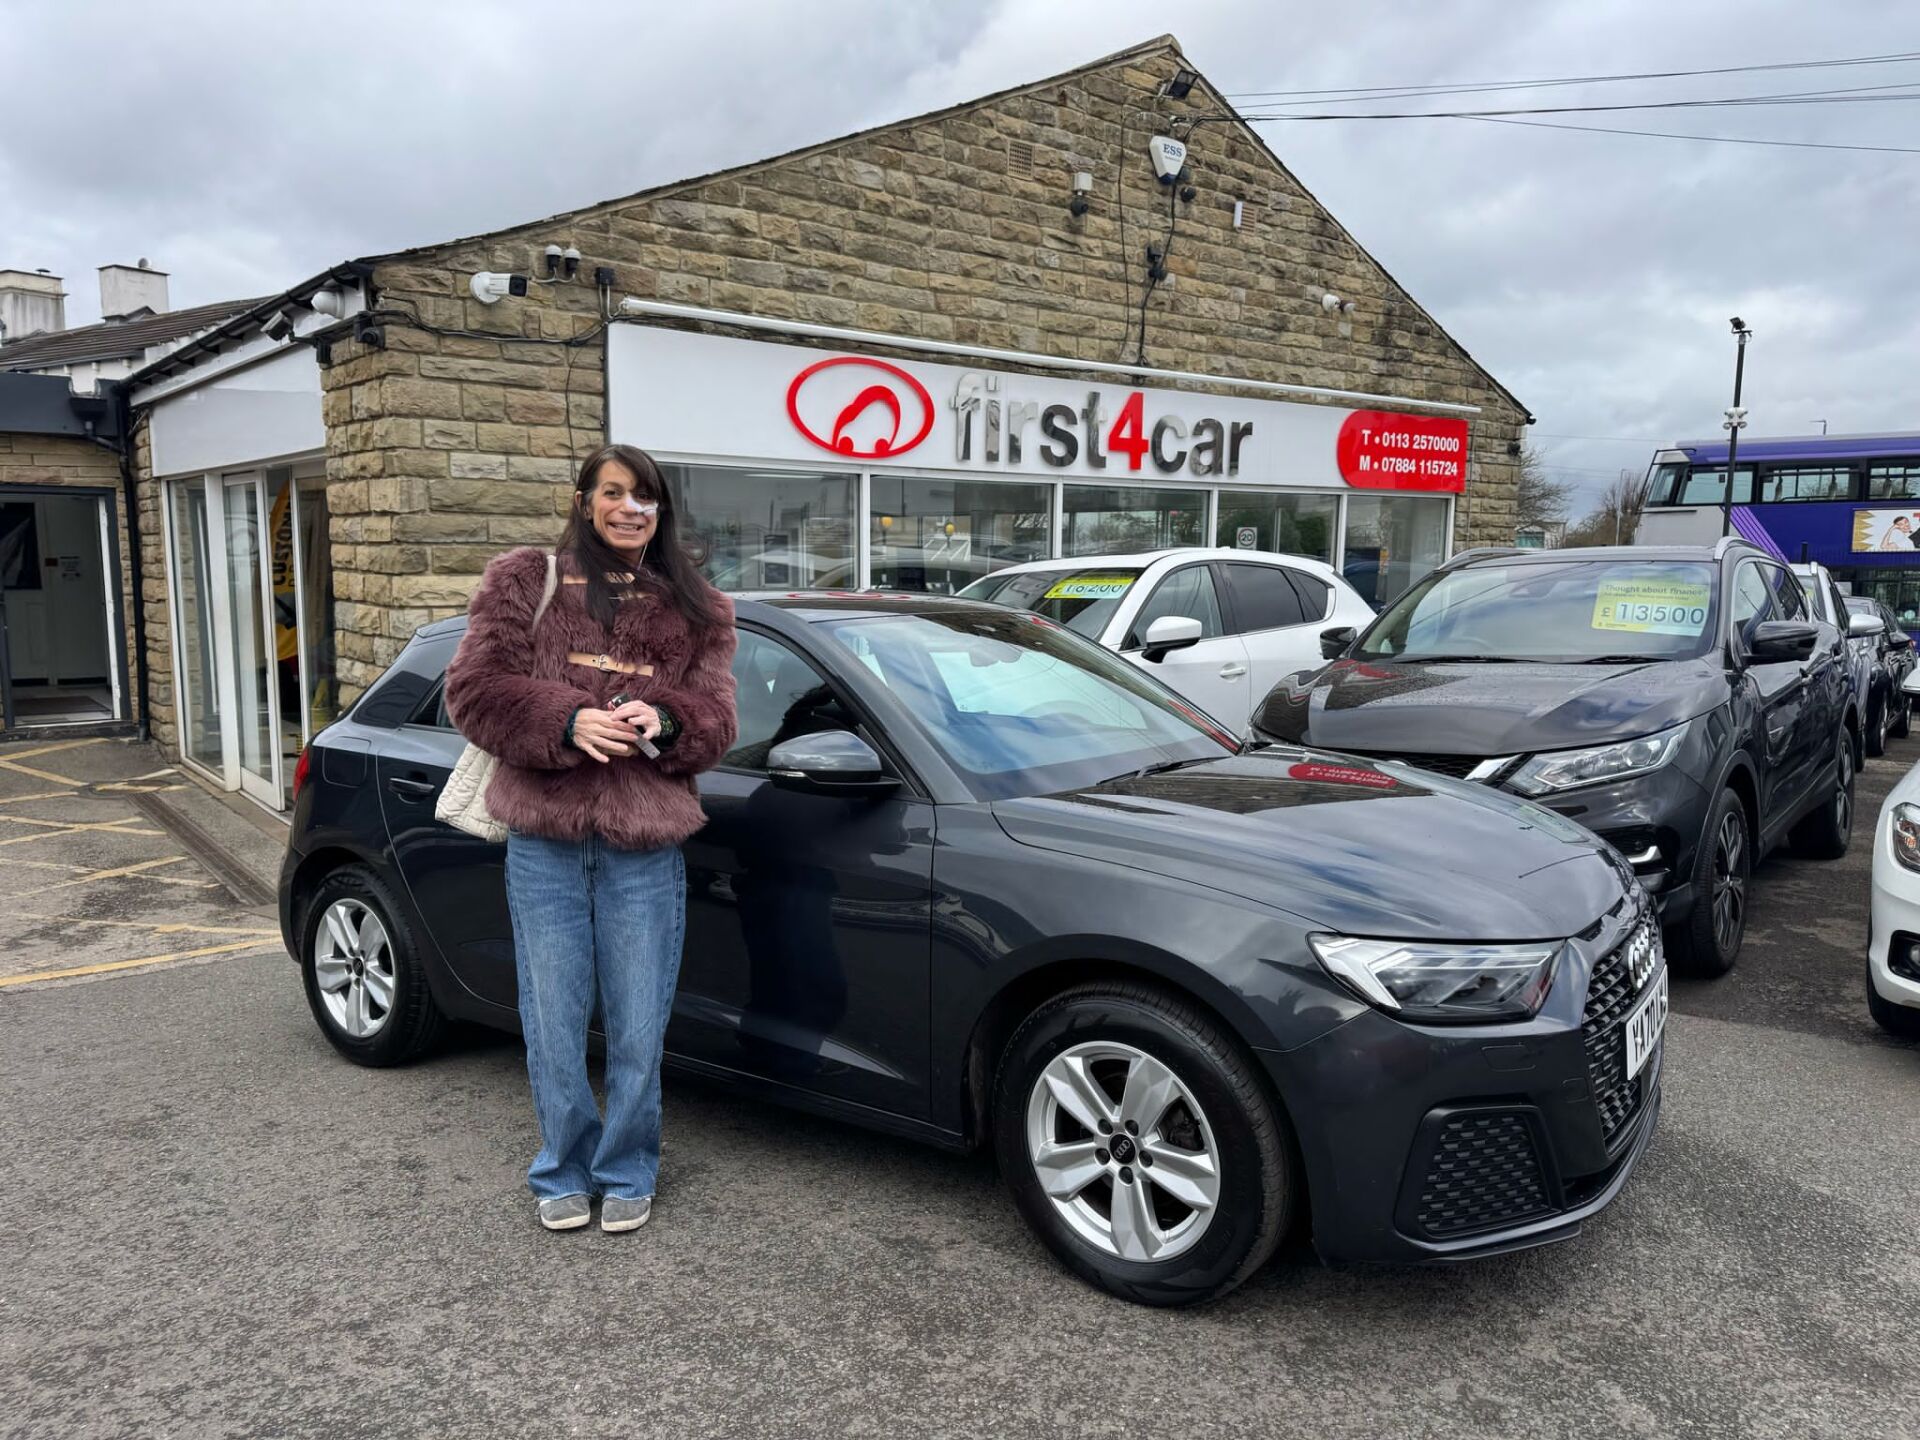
point(1644, 1025)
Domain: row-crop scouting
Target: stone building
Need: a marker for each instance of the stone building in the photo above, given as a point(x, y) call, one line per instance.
point(901, 358)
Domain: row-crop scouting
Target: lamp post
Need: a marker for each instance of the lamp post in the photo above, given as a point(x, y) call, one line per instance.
point(1736, 420)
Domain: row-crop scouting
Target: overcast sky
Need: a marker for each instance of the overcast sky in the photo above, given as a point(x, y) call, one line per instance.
point(242, 146)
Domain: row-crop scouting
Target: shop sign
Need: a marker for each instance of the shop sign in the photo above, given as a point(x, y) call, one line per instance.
point(690, 394)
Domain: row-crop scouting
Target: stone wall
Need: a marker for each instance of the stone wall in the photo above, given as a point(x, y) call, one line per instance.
point(69, 460)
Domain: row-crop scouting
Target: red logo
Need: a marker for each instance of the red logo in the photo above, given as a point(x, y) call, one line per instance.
point(1379, 450)
point(1341, 775)
point(847, 405)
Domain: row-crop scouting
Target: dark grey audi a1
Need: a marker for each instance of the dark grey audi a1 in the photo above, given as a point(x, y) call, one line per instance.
point(970, 878)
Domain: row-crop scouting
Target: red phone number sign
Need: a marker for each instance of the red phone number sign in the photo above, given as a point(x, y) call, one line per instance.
point(1381, 450)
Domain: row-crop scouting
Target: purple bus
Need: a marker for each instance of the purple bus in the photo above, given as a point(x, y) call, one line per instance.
point(1851, 502)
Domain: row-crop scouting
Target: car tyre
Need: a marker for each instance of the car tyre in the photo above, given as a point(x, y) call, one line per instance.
point(1902, 1021)
point(1902, 721)
point(1707, 943)
point(1826, 833)
point(361, 968)
point(1879, 724)
point(1116, 1053)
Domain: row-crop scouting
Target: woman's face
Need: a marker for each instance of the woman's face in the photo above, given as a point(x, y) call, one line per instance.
point(625, 520)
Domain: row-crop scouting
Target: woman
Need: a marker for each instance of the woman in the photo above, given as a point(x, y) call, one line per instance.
point(634, 646)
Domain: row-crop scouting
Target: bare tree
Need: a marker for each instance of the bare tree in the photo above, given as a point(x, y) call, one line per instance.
point(1541, 499)
point(1616, 519)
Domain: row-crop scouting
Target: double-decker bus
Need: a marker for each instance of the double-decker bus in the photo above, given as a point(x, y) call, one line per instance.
point(1851, 502)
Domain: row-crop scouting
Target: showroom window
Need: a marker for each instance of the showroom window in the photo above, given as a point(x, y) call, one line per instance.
point(1391, 541)
point(1287, 524)
point(941, 535)
point(1122, 520)
point(768, 529)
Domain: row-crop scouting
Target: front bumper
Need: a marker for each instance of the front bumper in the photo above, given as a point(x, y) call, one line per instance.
point(1893, 962)
point(1426, 1143)
point(1656, 821)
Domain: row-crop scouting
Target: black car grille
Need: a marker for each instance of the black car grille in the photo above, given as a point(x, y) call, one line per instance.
point(1610, 995)
point(1458, 766)
point(1485, 1172)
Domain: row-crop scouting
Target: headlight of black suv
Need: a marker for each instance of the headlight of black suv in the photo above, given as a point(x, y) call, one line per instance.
point(1424, 980)
point(1566, 769)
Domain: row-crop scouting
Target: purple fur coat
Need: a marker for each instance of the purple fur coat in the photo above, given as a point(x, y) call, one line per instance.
point(511, 689)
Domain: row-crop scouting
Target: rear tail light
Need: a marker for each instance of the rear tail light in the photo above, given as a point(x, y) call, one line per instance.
point(300, 768)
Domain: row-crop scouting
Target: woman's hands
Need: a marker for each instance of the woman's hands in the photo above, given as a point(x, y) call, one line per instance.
point(609, 734)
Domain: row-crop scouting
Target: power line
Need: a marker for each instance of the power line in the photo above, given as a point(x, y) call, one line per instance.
point(1466, 88)
point(1679, 135)
point(1802, 97)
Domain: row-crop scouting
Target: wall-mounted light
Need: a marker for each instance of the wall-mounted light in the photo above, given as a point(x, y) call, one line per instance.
point(1082, 188)
point(1329, 302)
point(1182, 83)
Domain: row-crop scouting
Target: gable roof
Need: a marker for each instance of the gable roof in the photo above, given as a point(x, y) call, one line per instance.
point(113, 339)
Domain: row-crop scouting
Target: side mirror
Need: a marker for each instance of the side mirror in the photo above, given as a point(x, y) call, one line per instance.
point(1336, 642)
point(1861, 626)
point(1169, 632)
point(1900, 640)
point(833, 762)
point(1911, 685)
point(1775, 641)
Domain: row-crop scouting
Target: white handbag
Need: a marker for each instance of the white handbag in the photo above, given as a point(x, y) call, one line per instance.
point(463, 799)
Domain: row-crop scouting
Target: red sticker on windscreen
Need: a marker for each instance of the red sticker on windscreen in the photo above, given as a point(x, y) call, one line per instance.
point(1341, 775)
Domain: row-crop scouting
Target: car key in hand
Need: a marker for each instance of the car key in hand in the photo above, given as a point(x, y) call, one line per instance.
point(647, 747)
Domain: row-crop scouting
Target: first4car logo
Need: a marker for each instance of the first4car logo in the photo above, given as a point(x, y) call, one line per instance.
point(887, 413)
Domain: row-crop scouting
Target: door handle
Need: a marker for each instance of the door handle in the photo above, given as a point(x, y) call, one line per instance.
point(412, 789)
point(1232, 672)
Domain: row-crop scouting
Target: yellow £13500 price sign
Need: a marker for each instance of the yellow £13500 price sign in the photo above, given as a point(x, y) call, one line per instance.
point(1653, 606)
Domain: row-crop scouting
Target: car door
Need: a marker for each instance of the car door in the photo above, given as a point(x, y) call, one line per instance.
point(458, 882)
point(808, 916)
point(1779, 692)
point(1277, 611)
point(1214, 673)
point(1823, 678)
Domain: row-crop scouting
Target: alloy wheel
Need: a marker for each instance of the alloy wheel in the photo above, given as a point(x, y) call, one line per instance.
point(1843, 792)
point(1729, 883)
point(353, 968)
point(1123, 1151)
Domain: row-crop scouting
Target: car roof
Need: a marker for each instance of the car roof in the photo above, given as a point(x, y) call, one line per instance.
point(813, 606)
point(1144, 558)
point(1706, 554)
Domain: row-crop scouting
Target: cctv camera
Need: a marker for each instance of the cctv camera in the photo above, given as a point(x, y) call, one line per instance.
point(488, 287)
point(1738, 324)
point(279, 325)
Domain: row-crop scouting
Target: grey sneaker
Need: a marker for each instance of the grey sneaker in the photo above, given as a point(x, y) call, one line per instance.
point(617, 1214)
point(566, 1212)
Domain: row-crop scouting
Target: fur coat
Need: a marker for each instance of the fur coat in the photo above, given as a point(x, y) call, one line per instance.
point(511, 690)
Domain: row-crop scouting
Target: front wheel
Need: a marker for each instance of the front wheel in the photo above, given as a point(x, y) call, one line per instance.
point(1826, 833)
point(1142, 1145)
point(1879, 722)
point(362, 970)
point(1708, 942)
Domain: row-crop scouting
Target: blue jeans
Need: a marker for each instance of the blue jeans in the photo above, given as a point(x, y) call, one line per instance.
point(586, 913)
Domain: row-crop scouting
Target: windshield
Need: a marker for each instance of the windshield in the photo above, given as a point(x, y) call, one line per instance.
point(1019, 707)
point(1081, 598)
point(1555, 611)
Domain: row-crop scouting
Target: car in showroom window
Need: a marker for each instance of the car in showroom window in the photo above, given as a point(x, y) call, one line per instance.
point(1684, 703)
point(968, 877)
point(1220, 626)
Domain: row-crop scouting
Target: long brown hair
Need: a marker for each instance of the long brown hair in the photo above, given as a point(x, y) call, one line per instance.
point(666, 567)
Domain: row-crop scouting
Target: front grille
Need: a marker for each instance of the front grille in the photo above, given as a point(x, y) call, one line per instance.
point(1610, 995)
point(1485, 1172)
point(1458, 766)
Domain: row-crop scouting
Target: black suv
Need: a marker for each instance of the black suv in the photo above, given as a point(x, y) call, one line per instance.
point(1683, 702)
point(1892, 647)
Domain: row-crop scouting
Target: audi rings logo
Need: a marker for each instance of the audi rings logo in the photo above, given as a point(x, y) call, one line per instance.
point(871, 411)
point(1642, 951)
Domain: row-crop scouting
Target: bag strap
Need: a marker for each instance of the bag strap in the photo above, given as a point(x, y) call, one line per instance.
point(546, 594)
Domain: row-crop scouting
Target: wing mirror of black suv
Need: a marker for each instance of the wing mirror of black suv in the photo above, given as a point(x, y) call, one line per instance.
point(1335, 642)
point(1774, 641)
point(833, 762)
point(1900, 640)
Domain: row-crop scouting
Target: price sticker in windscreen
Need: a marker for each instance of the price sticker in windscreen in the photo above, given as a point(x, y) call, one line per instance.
point(1089, 587)
point(1652, 607)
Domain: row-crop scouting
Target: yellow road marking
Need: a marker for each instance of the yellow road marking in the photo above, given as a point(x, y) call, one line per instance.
point(176, 927)
point(38, 795)
point(58, 745)
point(12, 762)
point(114, 829)
point(43, 865)
point(111, 874)
point(19, 769)
point(112, 965)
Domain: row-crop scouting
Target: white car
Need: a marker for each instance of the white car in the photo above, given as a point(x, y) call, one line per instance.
point(1893, 945)
point(1222, 627)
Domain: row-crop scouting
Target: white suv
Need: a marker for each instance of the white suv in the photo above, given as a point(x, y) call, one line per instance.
point(1222, 627)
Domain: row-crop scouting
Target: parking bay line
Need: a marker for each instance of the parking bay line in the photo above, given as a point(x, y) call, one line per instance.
point(109, 966)
point(167, 927)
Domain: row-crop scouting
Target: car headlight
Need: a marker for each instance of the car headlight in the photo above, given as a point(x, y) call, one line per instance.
point(1906, 835)
point(1420, 980)
point(1564, 769)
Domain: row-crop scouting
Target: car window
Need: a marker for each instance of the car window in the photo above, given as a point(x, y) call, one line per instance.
point(1188, 591)
point(1263, 598)
point(1789, 600)
point(1752, 601)
point(778, 695)
point(433, 710)
point(1082, 598)
point(1316, 595)
point(1837, 604)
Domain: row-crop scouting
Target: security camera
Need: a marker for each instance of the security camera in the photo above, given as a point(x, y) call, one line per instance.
point(489, 287)
point(279, 325)
point(1169, 158)
point(1738, 324)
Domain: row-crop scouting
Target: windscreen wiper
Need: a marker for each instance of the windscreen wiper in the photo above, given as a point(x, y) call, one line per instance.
point(1454, 659)
point(1616, 659)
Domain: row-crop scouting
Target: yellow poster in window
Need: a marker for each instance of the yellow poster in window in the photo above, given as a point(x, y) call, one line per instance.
point(1652, 606)
point(1089, 587)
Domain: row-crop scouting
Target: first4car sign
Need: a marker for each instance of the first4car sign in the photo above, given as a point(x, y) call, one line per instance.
point(686, 394)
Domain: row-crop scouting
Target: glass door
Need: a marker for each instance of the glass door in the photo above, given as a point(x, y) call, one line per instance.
point(256, 700)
